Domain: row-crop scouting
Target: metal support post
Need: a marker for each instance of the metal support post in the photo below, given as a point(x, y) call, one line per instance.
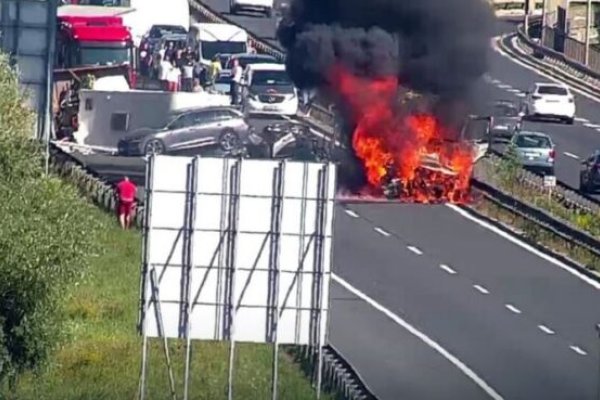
point(544, 15)
point(588, 29)
point(276, 216)
point(234, 200)
point(191, 224)
point(161, 330)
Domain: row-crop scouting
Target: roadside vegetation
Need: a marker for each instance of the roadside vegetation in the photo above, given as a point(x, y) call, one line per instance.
point(507, 176)
point(69, 283)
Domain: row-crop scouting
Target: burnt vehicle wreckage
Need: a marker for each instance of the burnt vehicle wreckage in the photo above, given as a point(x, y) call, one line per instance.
point(432, 177)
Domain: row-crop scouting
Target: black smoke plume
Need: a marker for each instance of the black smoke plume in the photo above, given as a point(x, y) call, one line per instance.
point(435, 47)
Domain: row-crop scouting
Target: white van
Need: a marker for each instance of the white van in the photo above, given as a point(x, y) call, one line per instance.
point(264, 6)
point(268, 89)
point(217, 39)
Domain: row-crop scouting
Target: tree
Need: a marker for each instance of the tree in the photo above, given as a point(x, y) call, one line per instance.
point(47, 234)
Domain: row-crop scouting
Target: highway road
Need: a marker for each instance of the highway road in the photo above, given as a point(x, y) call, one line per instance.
point(431, 304)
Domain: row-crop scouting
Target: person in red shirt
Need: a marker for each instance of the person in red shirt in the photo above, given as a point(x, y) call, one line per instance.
point(126, 191)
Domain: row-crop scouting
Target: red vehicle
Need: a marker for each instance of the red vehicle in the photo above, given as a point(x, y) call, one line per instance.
point(94, 41)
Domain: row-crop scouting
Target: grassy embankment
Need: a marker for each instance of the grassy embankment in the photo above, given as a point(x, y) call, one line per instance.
point(101, 358)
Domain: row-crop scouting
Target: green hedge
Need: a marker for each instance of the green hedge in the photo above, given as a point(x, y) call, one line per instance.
point(46, 234)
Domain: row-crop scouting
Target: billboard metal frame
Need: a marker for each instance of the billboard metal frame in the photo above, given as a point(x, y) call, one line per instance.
point(17, 33)
point(225, 257)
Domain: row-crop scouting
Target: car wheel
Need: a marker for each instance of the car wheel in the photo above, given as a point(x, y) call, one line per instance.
point(269, 12)
point(154, 146)
point(233, 9)
point(229, 140)
point(582, 186)
point(570, 121)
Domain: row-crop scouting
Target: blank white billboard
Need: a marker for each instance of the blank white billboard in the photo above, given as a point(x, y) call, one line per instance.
point(237, 240)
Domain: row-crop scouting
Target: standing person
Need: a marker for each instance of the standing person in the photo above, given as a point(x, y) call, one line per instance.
point(126, 191)
point(163, 73)
point(236, 82)
point(214, 70)
point(187, 75)
point(173, 77)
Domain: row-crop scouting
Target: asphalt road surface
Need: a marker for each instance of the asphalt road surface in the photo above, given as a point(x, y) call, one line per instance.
point(438, 306)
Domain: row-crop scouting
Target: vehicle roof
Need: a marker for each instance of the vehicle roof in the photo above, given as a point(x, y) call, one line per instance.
point(90, 11)
point(208, 108)
point(100, 33)
point(252, 55)
point(266, 67)
point(560, 85)
point(215, 27)
point(532, 133)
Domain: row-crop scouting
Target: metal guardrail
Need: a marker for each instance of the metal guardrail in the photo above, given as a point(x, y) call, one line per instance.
point(555, 63)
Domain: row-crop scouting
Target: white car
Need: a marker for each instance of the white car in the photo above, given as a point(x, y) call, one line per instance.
point(264, 6)
point(268, 89)
point(550, 100)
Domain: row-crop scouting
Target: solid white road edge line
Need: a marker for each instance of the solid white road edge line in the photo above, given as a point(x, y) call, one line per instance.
point(381, 231)
point(351, 213)
point(524, 246)
point(422, 336)
point(447, 269)
point(575, 156)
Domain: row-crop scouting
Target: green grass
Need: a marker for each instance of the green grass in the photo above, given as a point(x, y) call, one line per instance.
point(101, 357)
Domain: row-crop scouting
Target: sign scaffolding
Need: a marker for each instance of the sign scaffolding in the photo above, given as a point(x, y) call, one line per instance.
point(238, 251)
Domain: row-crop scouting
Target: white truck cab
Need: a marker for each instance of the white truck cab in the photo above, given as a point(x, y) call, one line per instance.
point(264, 6)
point(268, 89)
point(212, 39)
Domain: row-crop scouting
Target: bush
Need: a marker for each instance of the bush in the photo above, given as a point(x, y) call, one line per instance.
point(45, 235)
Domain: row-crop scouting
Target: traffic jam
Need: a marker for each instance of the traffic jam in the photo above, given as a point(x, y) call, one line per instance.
point(158, 84)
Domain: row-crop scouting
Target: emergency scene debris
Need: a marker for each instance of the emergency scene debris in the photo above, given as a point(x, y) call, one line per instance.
point(364, 56)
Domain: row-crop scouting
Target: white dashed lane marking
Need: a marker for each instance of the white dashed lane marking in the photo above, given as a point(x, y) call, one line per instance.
point(593, 126)
point(512, 308)
point(578, 119)
point(481, 289)
point(578, 350)
point(575, 156)
point(504, 86)
point(415, 250)
point(546, 330)
point(514, 90)
point(447, 269)
point(381, 231)
point(351, 213)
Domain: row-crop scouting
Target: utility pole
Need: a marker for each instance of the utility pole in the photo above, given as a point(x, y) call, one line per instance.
point(588, 32)
point(526, 21)
point(543, 32)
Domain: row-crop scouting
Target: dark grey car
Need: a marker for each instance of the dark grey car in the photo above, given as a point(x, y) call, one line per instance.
point(224, 126)
point(506, 119)
point(589, 176)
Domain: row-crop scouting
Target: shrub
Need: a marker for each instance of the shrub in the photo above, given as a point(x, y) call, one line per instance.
point(46, 233)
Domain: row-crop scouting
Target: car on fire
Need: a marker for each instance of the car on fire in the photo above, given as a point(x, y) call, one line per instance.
point(225, 126)
point(506, 119)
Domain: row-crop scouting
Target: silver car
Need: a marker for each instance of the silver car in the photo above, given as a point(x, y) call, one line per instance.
point(224, 126)
point(506, 119)
point(534, 150)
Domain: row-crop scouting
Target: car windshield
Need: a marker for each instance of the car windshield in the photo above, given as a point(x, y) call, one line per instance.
point(505, 110)
point(555, 90)
point(104, 55)
point(252, 60)
point(162, 30)
point(211, 49)
point(533, 142)
point(271, 78)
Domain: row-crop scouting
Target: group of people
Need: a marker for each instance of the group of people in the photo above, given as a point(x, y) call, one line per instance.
point(178, 68)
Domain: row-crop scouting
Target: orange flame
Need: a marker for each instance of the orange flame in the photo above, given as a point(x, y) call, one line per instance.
point(429, 167)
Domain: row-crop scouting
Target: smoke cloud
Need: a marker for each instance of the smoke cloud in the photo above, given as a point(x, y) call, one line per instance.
point(435, 47)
